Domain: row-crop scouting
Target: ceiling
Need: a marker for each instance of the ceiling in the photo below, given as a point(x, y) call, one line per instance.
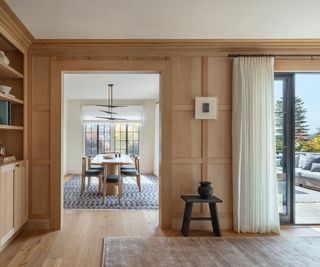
point(126, 85)
point(171, 19)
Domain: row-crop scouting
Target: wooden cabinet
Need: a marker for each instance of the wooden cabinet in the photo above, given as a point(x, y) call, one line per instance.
point(20, 195)
point(6, 202)
point(13, 199)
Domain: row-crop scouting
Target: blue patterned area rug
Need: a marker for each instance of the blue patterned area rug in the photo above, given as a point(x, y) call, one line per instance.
point(147, 199)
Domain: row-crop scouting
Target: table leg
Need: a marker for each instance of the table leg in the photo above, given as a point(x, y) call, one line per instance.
point(214, 219)
point(186, 219)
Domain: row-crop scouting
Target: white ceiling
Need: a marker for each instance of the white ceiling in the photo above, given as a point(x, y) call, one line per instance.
point(126, 86)
point(173, 19)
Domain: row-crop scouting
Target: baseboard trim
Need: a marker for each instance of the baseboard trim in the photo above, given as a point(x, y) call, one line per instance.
point(5, 243)
point(38, 224)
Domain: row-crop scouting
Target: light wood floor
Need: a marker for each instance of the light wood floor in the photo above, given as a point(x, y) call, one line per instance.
point(79, 243)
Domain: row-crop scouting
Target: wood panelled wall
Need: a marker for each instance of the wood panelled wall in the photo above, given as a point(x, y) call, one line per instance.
point(201, 150)
point(39, 140)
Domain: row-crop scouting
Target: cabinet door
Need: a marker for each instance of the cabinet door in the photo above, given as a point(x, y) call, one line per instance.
point(20, 195)
point(6, 202)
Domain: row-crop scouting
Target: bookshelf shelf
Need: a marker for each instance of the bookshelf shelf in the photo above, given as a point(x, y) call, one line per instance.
point(7, 72)
point(10, 127)
point(10, 98)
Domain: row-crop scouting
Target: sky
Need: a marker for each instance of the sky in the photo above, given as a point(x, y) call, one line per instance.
point(307, 87)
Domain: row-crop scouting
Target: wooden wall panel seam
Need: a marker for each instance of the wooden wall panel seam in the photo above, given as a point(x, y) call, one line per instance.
point(204, 125)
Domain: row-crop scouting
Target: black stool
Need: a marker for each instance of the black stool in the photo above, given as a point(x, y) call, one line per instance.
point(188, 211)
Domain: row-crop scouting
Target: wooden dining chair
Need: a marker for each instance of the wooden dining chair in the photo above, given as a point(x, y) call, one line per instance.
point(133, 172)
point(114, 179)
point(88, 173)
point(92, 167)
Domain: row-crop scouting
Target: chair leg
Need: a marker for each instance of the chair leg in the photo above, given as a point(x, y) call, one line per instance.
point(100, 183)
point(139, 182)
point(83, 181)
point(104, 192)
point(120, 190)
point(89, 181)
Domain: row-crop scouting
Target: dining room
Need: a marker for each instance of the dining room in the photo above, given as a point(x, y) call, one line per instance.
point(110, 146)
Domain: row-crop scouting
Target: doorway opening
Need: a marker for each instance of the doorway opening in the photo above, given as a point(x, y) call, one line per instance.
point(297, 124)
point(127, 134)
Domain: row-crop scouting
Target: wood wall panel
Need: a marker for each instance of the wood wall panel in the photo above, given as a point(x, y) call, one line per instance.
point(41, 81)
point(221, 177)
point(185, 181)
point(40, 192)
point(39, 138)
point(185, 163)
point(220, 79)
point(219, 136)
point(186, 80)
point(40, 135)
point(185, 145)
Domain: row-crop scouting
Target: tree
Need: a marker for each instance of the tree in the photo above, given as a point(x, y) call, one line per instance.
point(301, 125)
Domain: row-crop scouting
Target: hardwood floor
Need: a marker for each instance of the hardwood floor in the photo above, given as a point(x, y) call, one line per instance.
point(79, 243)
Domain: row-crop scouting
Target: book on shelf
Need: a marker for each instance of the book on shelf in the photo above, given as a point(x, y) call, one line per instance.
point(7, 159)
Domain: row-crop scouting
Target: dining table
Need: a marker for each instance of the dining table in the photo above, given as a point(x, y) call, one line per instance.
point(112, 163)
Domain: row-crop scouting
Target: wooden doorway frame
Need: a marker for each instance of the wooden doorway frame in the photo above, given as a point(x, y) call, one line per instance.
point(58, 68)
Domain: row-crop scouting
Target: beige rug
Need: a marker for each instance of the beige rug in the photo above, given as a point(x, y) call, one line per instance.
point(212, 251)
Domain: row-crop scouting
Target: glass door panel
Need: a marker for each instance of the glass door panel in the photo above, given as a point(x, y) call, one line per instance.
point(280, 147)
point(307, 148)
point(283, 89)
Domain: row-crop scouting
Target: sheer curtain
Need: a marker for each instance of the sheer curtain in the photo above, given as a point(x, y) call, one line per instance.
point(254, 169)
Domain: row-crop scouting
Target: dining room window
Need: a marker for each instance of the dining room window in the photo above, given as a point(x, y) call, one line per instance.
point(97, 138)
point(127, 138)
point(119, 137)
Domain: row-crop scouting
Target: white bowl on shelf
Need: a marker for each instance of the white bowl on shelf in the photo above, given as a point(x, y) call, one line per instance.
point(4, 58)
point(5, 89)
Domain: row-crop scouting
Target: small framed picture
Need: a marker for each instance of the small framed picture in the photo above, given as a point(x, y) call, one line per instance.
point(206, 108)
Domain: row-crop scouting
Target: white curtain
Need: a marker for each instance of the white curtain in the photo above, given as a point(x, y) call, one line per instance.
point(254, 169)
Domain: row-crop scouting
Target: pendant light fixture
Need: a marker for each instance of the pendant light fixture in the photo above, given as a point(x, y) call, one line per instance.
point(110, 106)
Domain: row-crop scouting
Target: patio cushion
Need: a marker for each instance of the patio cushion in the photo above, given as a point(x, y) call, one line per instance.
point(315, 167)
point(309, 160)
point(296, 160)
point(310, 175)
point(302, 160)
point(298, 172)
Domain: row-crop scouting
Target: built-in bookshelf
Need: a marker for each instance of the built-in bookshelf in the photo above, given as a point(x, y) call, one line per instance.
point(11, 136)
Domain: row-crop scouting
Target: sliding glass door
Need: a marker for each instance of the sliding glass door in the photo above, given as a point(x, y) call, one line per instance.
point(297, 125)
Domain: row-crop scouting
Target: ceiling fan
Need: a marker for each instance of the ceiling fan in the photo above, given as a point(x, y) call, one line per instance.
point(110, 106)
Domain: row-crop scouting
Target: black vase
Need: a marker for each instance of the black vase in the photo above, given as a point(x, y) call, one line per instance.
point(205, 190)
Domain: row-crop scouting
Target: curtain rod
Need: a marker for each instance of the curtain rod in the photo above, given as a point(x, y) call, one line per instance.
point(275, 56)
